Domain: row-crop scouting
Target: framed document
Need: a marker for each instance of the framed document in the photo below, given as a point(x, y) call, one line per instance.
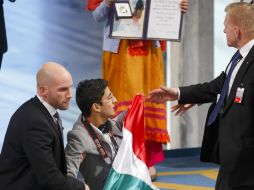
point(151, 19)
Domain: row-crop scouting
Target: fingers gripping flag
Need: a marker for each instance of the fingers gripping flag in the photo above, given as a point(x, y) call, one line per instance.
point(129, 169)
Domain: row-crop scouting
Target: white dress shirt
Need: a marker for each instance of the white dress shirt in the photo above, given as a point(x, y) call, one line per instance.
point(106, 137)
point(50, 108)
point(244, 52)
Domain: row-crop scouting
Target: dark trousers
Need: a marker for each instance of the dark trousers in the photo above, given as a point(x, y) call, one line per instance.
point(222, 183)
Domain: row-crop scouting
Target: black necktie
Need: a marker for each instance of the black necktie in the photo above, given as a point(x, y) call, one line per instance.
point(224, 90)
point(104, 128)
point(58, 122)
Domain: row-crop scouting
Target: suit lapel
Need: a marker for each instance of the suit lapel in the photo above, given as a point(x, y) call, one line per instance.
point(51, 121)
point(48, 116)
point(239, 77)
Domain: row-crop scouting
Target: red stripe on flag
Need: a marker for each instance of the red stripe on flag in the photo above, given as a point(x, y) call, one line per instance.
point(134, 122)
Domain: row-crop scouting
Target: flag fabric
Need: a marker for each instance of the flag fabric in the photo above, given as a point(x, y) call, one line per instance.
point(129, 169)
point(92, 4)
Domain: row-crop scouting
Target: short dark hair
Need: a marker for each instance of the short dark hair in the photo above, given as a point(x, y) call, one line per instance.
point(89, 92)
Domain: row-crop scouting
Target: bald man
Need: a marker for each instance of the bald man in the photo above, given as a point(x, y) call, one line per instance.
point(32, 156)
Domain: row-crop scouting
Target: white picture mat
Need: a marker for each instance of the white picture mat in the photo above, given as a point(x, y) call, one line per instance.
point(123, 9)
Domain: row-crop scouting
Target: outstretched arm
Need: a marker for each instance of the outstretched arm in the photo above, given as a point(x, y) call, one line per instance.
point(163, 94)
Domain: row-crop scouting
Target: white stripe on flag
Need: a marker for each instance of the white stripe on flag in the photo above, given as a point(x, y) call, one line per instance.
point(126, 162)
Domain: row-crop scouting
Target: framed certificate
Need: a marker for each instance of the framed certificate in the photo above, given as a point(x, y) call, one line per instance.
point(151, 19)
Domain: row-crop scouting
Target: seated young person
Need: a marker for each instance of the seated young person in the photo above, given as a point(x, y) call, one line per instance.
point(94, 140)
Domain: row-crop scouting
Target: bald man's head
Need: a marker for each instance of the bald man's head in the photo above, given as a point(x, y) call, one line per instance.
point(54, 85)
point(48, 72)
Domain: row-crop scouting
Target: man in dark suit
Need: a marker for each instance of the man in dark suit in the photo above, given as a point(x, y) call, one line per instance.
point(32, 156)
point(229, 131)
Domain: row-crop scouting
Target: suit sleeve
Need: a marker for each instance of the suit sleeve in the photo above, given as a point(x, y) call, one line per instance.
point(38, 142)
point(73, 151)
point(202, 93)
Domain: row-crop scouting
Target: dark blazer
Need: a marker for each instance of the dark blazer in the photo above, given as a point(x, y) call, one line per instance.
point(3, 40)
point(33, 155)
point(229, 141)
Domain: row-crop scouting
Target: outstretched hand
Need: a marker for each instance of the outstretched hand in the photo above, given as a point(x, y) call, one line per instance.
point(180, 109)
point(163, 94)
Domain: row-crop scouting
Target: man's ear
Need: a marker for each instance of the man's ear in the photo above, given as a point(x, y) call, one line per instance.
point(96, 107)
point(238, 32)
point(43, 91)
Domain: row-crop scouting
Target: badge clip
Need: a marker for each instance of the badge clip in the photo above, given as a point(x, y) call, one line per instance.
point(239, 95)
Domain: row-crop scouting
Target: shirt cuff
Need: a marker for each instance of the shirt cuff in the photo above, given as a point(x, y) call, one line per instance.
point(178, 94)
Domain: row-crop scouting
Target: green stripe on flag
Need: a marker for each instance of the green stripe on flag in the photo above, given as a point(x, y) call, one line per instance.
point(118, 181)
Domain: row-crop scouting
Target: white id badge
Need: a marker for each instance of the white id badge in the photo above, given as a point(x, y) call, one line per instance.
point(218, 97)
point(239, 95)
